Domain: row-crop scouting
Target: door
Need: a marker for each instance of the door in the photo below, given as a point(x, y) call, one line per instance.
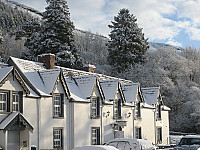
point(13, 140)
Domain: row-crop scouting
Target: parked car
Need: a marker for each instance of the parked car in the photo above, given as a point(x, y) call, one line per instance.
point(95, 147)
point(146, 145)
point(131, 144)
point(191, 142)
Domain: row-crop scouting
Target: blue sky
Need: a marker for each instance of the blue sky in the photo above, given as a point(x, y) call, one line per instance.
point(174, 22)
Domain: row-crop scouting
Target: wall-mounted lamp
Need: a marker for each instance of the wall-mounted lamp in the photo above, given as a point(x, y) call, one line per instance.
point(128, 114)
point(107, 114)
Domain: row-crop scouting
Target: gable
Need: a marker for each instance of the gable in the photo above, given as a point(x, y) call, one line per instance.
point(11, 80)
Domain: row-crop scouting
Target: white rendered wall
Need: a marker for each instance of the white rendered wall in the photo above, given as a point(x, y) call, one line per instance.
point(165, 127)
point(3, 138)
point(147, 124)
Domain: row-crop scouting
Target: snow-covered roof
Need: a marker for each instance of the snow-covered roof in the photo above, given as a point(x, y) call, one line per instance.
point(4, 72)
point(75, 92)
point(3, 65)
point(28, 66)
point(150, 95)
point(130, 91)
point(49, 77)
point(86, 84)
point(165, 108)
point(109, 88)
point(31, 70)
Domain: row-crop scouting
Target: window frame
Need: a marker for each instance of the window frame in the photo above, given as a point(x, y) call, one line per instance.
point(60, 139)
point(158, 112)
point(159, 135)
point(138, 132)
point(6, 102)
point(95, 136)
point(95, 107)
point(15, 103)
point(60, 106)
point(117, 106)
point(138, 110)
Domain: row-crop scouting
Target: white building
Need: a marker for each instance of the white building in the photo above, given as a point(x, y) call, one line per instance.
point(54, 107)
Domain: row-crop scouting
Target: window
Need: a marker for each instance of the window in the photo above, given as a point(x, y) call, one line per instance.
point(158, 112)
point(137, 110)
point(3, 102)
point(95, 136)
point(159, 135)
point(57, 138)
point(95, 108)
point(58, 105)
point(138, 133)
point(117, 108)
point(15, 101)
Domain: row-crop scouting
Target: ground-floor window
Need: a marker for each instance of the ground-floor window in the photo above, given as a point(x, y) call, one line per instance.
point(57, 138)
point(95, 136)
point(138, 133)
point(159, 135)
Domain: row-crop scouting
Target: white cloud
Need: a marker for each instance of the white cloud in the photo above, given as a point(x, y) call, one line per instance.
point(171, 41)
point(160, 19)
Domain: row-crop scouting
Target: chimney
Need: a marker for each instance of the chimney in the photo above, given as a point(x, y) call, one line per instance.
point(89, 68)
point(48, 60)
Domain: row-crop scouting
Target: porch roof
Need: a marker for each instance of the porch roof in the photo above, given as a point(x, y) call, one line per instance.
point(6, 120)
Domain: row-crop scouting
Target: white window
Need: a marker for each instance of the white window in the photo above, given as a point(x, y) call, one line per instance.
point(57, 105)
point(95, 108)
point(137, 110)
point(57, 138)
point(117, 108)
point(95, 136)
point(15, 105)
point(138, 133)
point(3, 102)
point(158, 112)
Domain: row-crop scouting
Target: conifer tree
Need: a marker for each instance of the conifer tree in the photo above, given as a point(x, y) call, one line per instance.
point(127, 44)
point(56, 34)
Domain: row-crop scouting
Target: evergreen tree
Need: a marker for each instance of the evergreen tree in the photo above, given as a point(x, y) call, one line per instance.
point(127, 44)
point(56, 34)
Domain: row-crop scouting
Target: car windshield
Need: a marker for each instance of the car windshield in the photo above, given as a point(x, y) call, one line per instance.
point(190, 141)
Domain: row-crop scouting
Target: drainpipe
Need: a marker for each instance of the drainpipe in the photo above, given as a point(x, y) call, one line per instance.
point(155, 125)
point(133, 122)
point(101, 130)
point(38, 123)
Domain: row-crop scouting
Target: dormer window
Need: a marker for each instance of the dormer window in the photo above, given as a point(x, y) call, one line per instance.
point(117, 108)
point(95, 107)
point(58, 105)
point(158, 112)
point(138, 110)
